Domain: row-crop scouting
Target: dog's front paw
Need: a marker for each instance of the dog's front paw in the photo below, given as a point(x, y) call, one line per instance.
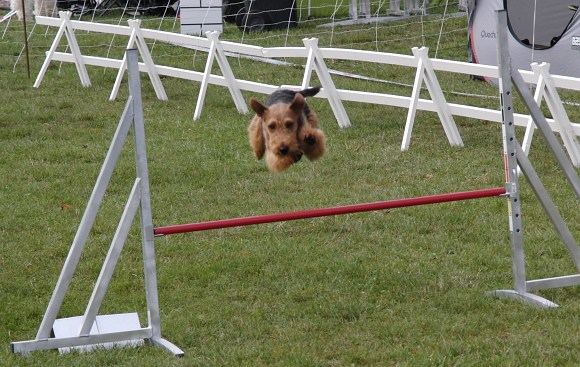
point(309, 135)
point(309, 139)
point(312, 142)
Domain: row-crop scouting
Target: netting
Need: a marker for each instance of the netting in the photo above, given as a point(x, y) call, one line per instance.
point(378, 27)
point(394, 26)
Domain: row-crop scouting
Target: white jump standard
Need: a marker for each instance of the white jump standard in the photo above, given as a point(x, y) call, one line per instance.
point(87, 333)
point(514, 156)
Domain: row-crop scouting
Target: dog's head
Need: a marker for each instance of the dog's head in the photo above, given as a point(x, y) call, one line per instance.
point(280, 123)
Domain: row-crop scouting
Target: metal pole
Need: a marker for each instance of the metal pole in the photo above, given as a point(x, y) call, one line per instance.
point(146, 213)
point(143, 175)
point(510, 153)
point(25, 38)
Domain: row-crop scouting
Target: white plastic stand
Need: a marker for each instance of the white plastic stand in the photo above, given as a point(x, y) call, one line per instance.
point(66, 29)
point(316, 62)
point(426, 73)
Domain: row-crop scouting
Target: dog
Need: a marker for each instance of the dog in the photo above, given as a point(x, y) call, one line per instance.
point(40, 7)
point(285, 128)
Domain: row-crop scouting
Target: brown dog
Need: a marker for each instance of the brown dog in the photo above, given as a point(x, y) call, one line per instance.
point(285, 128)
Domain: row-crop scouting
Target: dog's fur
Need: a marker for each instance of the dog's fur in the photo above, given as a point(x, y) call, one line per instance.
point(285, 128)
point(40, 7)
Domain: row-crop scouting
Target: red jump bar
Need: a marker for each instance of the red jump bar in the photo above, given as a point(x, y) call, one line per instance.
point(313, 213)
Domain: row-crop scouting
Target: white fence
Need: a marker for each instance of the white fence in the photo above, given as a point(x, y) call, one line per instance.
point(423, 67)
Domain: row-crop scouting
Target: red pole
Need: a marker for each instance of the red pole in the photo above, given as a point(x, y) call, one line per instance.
point(312, 213)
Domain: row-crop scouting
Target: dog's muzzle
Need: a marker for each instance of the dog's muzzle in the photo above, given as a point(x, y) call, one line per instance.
point(297, 156)
point(284, 150)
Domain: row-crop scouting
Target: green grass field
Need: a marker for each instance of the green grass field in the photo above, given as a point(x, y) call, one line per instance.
point(324, 8)
point(402, 287)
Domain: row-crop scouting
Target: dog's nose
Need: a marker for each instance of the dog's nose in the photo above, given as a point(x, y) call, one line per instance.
point(284, 150)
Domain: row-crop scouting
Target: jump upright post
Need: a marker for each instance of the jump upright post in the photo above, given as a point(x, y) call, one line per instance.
point(106, 330)
point(90, 330)
point(515, 156)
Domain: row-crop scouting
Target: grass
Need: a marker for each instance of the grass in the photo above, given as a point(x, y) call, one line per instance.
point(323, 8)
point(400, 287)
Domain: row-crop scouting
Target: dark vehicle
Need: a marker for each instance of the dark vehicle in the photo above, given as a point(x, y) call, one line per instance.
point(260, 15)
point(230, 9)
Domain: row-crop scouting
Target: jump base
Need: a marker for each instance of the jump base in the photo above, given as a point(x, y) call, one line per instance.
point(69, 327)
point(524, 297)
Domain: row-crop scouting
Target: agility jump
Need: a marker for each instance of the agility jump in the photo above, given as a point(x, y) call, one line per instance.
point(91, 329)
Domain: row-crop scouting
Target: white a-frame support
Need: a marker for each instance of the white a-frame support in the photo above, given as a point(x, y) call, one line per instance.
point(91, 329)
point(316, 62)
point(514, 156)
point(546, 89)
point(426, 72)
point(531, 126)
point(66, 29)
point(137, 38)
point(216, 52)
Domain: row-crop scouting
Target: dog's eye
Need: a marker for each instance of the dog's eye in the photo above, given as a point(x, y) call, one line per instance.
point(289, 124)
point(272, 126)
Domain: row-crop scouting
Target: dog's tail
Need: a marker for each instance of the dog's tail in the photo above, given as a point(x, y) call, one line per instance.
point(310, 92)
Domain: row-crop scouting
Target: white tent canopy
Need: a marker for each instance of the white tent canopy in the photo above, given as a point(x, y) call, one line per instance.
point(540, 31)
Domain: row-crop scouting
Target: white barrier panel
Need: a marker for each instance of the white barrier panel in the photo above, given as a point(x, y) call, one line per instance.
point(200, 16)
point(425, 69)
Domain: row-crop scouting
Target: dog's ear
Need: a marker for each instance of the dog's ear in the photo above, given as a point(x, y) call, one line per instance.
point(256, 136)
point(258, 108)
point(298, 103)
